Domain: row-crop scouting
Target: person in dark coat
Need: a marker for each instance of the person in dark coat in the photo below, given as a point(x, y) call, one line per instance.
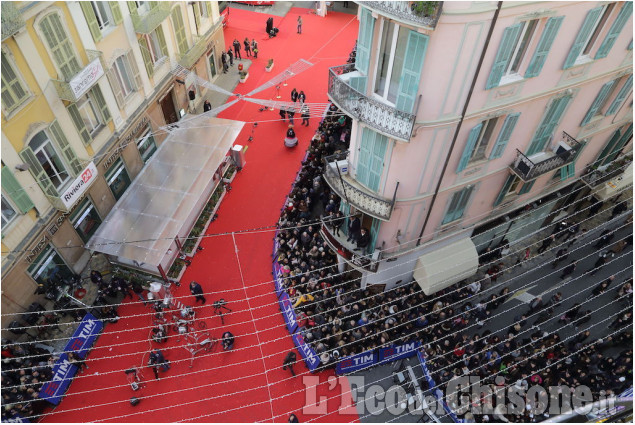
point(236, 44)
point(223, 59)
point(156, 361)
point(596, 205)
point(289, 361)
point(231, 56)
point(247, 47)
point(302, 96)
point(364, 240)
point(568, 270)
point(283, 114)
point(619, 209)
point(546, 243)
point(290, 114)
point(207, 106)
point(354, 227)
point(294, 95)
point(561, 255)
point(305, 114)
point(197, 291)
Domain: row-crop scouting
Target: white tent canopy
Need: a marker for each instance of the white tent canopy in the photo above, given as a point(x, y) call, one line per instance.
point(446, 266)
point(167, 196)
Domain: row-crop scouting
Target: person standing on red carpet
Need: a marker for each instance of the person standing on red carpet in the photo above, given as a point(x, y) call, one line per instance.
point(197, 291)
point(236, 44)
point(247, 47)
point(289, 361)
point(299, 24)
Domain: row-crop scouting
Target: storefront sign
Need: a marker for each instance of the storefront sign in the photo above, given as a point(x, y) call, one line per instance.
point(125, 141)
point(86, 78)
point(310, 356)
point(37, 249)
point(79, 186)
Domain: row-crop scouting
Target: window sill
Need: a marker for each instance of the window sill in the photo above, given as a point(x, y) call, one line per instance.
point(510, 79)
point(16, 110)
point(582, 60)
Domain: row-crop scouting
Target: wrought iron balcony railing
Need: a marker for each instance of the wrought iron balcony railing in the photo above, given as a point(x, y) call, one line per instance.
point(368, 262)
point(199, 47)
point(354, 193)
point(595, 177)
point(11, 18)
point(380, 116)
point(529, 169)
point(145, 23)
point(408, 11)
point(67, 90)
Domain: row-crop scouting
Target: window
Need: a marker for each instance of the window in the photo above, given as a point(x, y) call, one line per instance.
point(48, 158)
point(85, 219)
point(61, 48)
point(13, 92)
point(202, 8)
point(156, 45)
point(480, 137)
point(118, 179)
point(391, 58)
point(598, 27)
point(142, 6)
point(600, 101)
point(587, 36)
point(8, 212)
point(179, 30)
point(510, 187)
point(626, 89)
point(526, 32)
point(124, 75)
point(370, 164)
point(146, 146)
point(478, 153)
point(102, 12)
point(48, 265)
point(88, 114)
point(458, 203)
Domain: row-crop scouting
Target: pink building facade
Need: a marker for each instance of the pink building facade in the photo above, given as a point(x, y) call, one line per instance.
point(463, 117)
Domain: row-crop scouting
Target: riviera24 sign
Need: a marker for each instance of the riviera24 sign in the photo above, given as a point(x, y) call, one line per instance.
point(79, 186)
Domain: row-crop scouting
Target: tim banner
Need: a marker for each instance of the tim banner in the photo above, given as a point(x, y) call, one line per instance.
point(356, 362)
point(85, 335)
point(63, 373)
point(396, 352)
point(437, 392)
point(277, 278)
point(310, 356)
point(288, 312)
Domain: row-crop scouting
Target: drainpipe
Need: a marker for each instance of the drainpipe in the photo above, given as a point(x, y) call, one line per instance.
point(458, 127)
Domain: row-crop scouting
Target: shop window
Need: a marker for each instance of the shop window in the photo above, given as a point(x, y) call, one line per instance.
point(85, 219)
point(49, 265)
point(147, 146)
point(118, 179)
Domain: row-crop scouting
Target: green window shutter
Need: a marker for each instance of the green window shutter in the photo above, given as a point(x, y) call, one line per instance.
point(116, 88)
point(377, 161)
point(38, 172)
point(548, 125)
point(544, 45)
point(411, 71)
point(624, 91)
point(79, 123)
point(457, 205)
point(162, 43)
point(365, 152)
point(615, 30)
point(504, 190)
point(132, 7)
point(134, 69)
point(630, 45)
point(358, 83)
point(469, 147)
point(67, 150)
point(116, 12)
point(179, 30)
point(608, 148)
point(101, 103)
point(12, 91)
point(568, 171)
point(505, 50)
point(91, 20)
point(145, 53)
point(14, 190)
point(197, 14)
point(208, 6)
point(619, 145)
point(589, 22)
point(504, 135)
point(59, 45)
point(364, 40)
point(526, 187)
point(599, 101)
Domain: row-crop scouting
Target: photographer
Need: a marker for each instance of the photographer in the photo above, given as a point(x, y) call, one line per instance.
point(156, 361)
point(228, 341)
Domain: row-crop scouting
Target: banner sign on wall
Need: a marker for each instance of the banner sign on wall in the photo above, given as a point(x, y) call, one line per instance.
point(288, 313)
point(396, 352)
point(86, 78)
point(79, 186)
point(85, 335)
point(310, 356)
point(356, 362)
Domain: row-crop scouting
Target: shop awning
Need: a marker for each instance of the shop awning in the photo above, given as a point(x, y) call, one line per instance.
point(445, 266)
point(167, 193)
point(617, 185)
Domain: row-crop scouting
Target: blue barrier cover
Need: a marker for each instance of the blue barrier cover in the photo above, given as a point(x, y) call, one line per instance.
point(396, 352)
point(310, 356)
point(356, 362)
point(17, 419)
point(85, 335)
point(277, 278)
point(437, 392)
point(63, 372)
point(288, 313)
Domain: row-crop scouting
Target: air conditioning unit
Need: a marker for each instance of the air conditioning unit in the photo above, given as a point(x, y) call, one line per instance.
point(342, 165)
point(561, 148)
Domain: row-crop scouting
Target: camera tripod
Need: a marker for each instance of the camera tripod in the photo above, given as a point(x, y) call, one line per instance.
point(219, 306)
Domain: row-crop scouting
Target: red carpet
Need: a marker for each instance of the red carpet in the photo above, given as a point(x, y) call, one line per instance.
point(248, 383)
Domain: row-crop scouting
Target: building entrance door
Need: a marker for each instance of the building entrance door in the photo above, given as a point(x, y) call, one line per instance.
point(212, 63)
point(167, 106)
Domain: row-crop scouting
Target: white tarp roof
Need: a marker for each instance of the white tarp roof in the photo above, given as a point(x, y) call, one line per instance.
point(142, 225)
point(616, 185)
point(446, 266)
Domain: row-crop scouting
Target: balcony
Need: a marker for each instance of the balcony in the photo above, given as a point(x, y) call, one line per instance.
point(358, 260)
point(380, 116)
point(11, 18)
point(421, 13)
point(199, 47)
point(147, 22)
point(354, 193)
point(594, 177)
point(73, 89)
point(530, 168)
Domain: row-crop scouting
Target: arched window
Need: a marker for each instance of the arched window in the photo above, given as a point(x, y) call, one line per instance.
point(49, 159)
